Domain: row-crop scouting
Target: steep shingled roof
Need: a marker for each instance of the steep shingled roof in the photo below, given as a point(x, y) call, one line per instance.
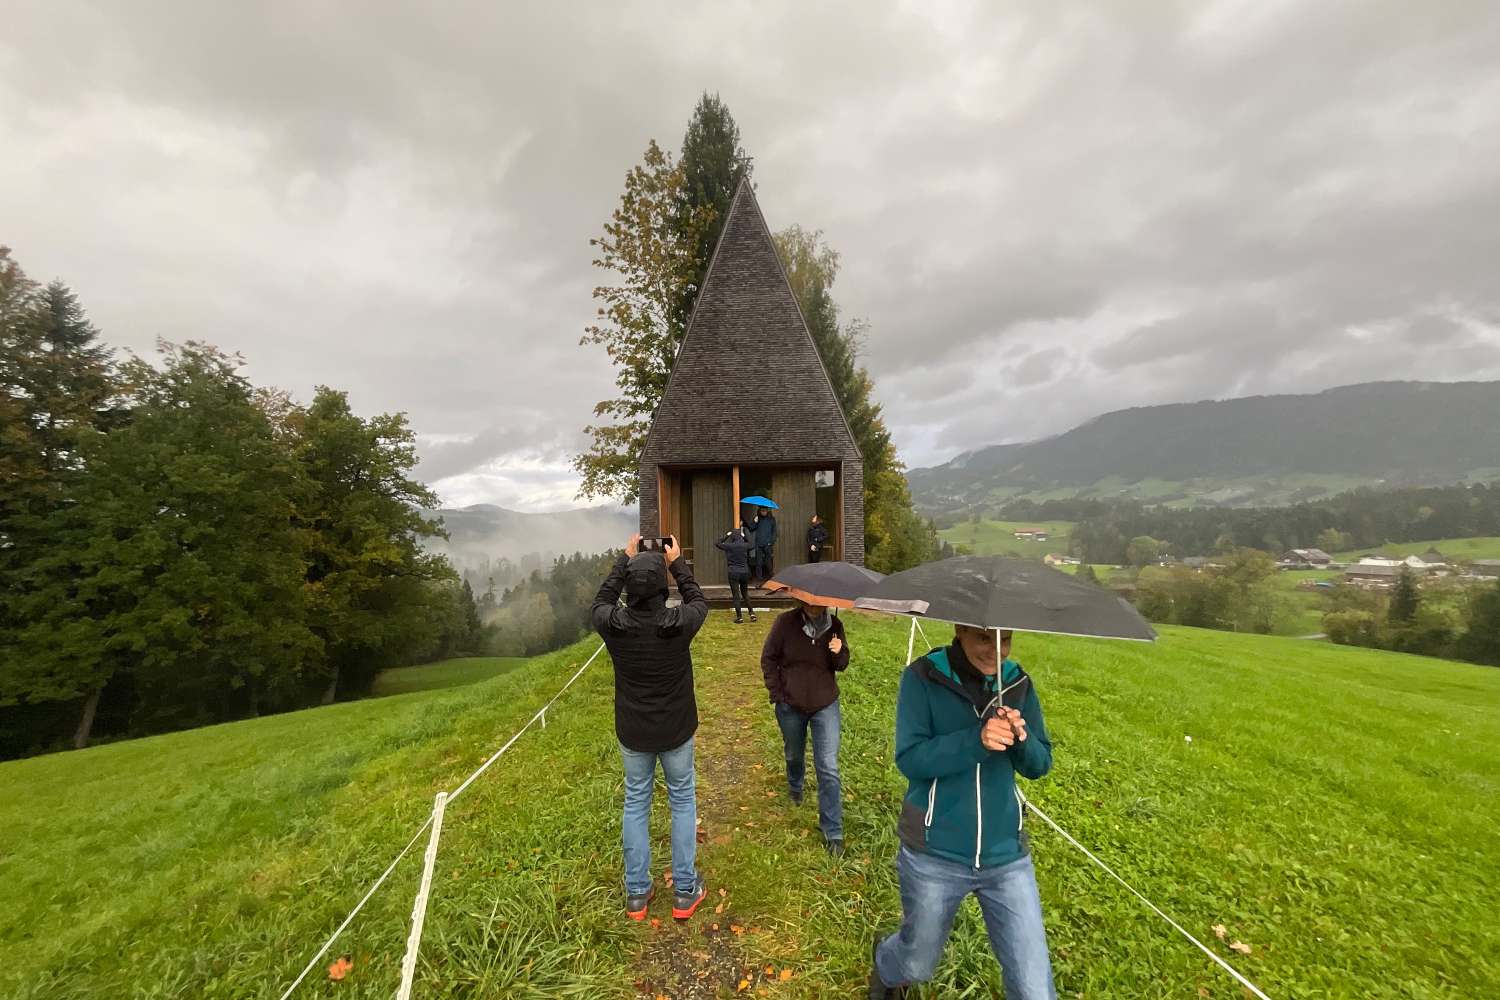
point(748, 385)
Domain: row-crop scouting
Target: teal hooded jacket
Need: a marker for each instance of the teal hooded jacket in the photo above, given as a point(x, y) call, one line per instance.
point(961, 801)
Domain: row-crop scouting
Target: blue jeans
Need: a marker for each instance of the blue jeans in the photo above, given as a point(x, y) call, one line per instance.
point(932, 889)
point(825, 738)
point(640, 778)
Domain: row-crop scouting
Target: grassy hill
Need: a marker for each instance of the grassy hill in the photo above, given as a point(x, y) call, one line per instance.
point(447, 674)
point(1254, 451)
point(988, 537)
point(1334, 810)
point(1454, 548)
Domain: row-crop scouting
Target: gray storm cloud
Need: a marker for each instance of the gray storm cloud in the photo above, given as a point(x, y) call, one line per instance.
point(1044, 212)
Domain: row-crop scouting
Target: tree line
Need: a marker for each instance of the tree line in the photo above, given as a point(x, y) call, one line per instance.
point(179, 547)
point(1361, 518)
point(1430, 618)
point(656, 248)
point(544, 611)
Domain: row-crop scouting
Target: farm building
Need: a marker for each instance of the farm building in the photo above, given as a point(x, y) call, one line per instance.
point(1305, 559)
point(729, 427)
point(1372, 576)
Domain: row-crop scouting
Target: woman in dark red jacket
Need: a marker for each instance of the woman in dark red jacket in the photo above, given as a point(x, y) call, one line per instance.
point(800, 660)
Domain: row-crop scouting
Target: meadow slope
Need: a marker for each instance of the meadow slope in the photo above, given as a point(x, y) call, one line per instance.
point(1334, 811)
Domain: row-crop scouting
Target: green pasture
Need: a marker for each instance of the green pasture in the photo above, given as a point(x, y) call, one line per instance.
point(1334, 811)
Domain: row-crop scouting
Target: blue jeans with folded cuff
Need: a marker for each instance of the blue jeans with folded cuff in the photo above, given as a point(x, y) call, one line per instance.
point(640, 779)
point(825, 739)
point(932, 889)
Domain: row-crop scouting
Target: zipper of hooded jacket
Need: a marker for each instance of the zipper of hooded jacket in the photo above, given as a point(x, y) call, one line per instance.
point(978, 797)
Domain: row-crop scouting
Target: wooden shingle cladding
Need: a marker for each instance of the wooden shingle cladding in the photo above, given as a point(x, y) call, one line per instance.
point(748, 388)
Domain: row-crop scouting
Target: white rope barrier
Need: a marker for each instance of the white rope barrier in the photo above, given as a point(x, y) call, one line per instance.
point(541, 712)
point(434, 819)
point(419, 907)
point(1157, 910)
point(923, 632)
point(354, 912)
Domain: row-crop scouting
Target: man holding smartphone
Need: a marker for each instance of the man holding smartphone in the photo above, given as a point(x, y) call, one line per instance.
point(967, 722)
point(656, 713)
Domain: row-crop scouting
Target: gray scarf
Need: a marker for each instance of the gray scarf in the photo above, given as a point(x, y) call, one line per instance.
point(814, 627)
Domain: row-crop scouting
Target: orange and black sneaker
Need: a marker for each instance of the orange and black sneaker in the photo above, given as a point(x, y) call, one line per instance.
point(636, 905)
point(684, 904)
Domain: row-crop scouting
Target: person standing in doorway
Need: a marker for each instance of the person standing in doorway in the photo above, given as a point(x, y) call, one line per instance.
point(817, 538)
point(753, 557)
point(800, 661)
point(765, 543)
point(736, 546)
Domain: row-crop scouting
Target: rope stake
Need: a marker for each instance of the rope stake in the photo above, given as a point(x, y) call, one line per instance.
point(419, 907)
point(447, 799)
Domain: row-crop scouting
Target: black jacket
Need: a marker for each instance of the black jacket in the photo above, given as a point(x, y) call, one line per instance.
point(649, 643)
point(799, 671)
point(765, 532)
point(736, 546)
point(817, 536)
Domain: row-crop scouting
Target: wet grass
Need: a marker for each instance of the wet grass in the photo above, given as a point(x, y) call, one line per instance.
point(1334, 811)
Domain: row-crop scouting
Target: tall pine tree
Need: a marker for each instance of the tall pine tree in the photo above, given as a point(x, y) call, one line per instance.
point(713, 164)
point(658, 243)
point(1405, 598)
point(895, 535)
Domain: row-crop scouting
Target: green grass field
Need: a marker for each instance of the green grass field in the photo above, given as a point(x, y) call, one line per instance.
point(997, 538)
point(445, 674)
point(1335, 811)
point(1487, 547)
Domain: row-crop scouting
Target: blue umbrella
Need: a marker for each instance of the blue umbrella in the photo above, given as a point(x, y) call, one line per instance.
point(761, 502)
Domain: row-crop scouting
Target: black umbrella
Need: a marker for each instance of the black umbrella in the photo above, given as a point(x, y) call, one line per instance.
point(995, 592)
point(831, 584)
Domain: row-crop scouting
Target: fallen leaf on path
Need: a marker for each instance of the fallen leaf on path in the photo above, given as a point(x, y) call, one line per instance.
point(1239, 946)
point(736, 929)
point(339, 969)
point(744, 984)
point(785, 975)
point(1220, 931)
point(656, 923)
point(723, 893)
point(719, 909)
point(770, 970)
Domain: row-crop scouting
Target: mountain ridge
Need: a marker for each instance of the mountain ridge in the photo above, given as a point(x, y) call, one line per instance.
point(1269, 448)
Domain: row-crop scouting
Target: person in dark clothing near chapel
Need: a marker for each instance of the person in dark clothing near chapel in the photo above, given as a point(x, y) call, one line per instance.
point(800, 661)
point(753, 557)
point(817, 539)
point(656, 713)
point(765, 543)
point(737, 546)
point(967, 722)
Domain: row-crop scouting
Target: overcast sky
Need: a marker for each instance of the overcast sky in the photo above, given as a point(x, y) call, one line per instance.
point(1045, 212)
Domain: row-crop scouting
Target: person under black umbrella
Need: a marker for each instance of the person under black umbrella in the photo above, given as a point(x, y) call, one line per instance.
point(967, 722)
point(800, 661)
